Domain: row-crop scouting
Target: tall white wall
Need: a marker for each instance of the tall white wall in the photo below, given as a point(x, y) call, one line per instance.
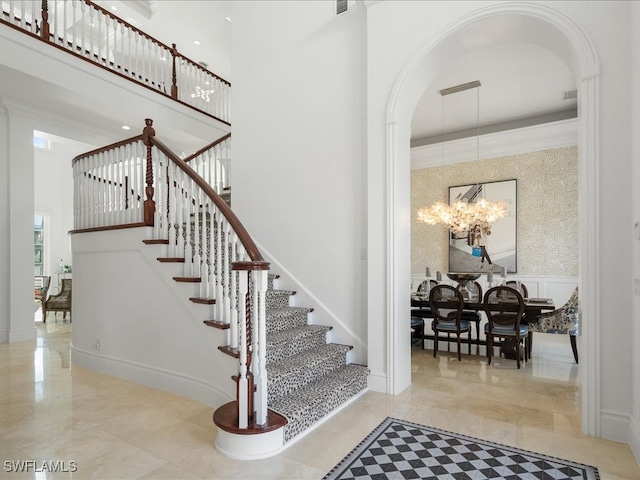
point(299, 145)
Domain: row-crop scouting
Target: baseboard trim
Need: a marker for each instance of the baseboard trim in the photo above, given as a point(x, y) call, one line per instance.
point(634, 439)
point(160, 379)
point(377, 383)
point(24, 335)
point(616, 426)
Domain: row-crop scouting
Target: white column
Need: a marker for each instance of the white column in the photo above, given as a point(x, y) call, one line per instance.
point(19, 280)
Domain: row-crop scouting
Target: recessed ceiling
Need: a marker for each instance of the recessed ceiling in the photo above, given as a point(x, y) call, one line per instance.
point(519, 81)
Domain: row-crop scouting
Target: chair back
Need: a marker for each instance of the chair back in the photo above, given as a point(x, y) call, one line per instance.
point(427, 285)
point(519, 286)
point(41, 286)
point(474, 288)
point(504, 307)
point(446, 304)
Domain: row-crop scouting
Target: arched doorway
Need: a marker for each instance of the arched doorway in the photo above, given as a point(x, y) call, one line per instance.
point(549, 29)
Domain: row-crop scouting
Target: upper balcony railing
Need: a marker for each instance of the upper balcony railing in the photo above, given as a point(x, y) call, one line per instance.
point(94, 34)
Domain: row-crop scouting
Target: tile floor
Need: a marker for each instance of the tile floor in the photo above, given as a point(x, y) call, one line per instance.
point(52, 411)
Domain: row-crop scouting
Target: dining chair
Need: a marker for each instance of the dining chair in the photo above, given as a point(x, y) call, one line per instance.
point(564, 320)
point(447, 304)
point(519, 286)
point(427, 285)
point(504, 307)
point(423, 289)
point(61, 302)
point(475, 289)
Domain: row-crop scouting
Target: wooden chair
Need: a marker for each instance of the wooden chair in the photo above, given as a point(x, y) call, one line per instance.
point(60, 302)
point(447, 304)
point(504, 307)
point(475, 289)
point(520, 287)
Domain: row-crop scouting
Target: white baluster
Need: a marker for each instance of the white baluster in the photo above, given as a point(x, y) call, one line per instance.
point(74, 39)
point(172, 211)
point(224, 275)
point(259, 346)
point(190, 235)
point(232, 320)
point(198, 222)
point(179, 207)
point(243, 387)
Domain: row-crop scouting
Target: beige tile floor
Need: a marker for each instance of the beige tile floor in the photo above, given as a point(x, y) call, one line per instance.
point(51, 410)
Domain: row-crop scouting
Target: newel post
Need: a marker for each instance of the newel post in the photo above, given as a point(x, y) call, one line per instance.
point(174, 77)
point(252, 331)
point(44, 31)
point(149, 203)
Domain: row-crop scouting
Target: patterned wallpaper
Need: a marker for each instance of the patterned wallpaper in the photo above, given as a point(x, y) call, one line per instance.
point(547, 209)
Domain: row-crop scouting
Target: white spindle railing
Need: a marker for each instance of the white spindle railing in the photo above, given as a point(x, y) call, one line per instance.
point(114, 186)
point(109, 186)
point(95, 34)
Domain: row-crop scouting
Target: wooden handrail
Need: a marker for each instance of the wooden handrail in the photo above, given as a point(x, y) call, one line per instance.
point(44, 33)
point(121, 143)
point(206, 147)
point(244, 237)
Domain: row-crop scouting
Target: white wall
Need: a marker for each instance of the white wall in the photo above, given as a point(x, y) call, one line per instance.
point(299, 145)
point(132, 320)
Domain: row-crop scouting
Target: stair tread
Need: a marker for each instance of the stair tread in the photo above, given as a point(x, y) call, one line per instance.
point(284, 311)
point(309, 392)
point(292, 334)
point(307, 405)
point(290, 365)
point(278, 292)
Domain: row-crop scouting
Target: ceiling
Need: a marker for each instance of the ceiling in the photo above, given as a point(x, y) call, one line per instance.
point(521, 84)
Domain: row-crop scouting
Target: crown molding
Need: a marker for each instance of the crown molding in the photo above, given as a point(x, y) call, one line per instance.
point(509, 142)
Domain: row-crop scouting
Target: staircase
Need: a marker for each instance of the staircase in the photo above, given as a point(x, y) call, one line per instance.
point(288, 376)
point(308, 377)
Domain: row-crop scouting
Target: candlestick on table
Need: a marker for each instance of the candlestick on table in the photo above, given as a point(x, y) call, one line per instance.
point(428, 272)
point(438, 276)
point(490, 277)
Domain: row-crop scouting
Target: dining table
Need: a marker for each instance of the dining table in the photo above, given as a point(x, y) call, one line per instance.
point(532, 308)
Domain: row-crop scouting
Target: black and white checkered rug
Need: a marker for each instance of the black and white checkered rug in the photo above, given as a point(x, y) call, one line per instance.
point(400, 450)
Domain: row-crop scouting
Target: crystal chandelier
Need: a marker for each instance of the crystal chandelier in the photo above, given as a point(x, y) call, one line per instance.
point(463, 215)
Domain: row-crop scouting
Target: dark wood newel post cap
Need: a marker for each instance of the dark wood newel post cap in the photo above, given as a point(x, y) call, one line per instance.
point(148, 131)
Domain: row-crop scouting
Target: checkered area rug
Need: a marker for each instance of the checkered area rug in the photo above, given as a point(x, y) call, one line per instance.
point(399, 450)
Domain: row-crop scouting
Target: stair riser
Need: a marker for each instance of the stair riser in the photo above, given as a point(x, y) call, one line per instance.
point(283, 384)
point(278, 299)
point(284, 321)
point(280, 351)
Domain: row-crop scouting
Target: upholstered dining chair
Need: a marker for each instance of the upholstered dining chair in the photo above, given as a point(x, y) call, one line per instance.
point(447, 304)
point(564, 320)
point(41, 287)
point(475, 289)
point(61, 302)
point(504, 307)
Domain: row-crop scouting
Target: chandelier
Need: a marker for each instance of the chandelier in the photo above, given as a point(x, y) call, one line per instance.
point(464, 214)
